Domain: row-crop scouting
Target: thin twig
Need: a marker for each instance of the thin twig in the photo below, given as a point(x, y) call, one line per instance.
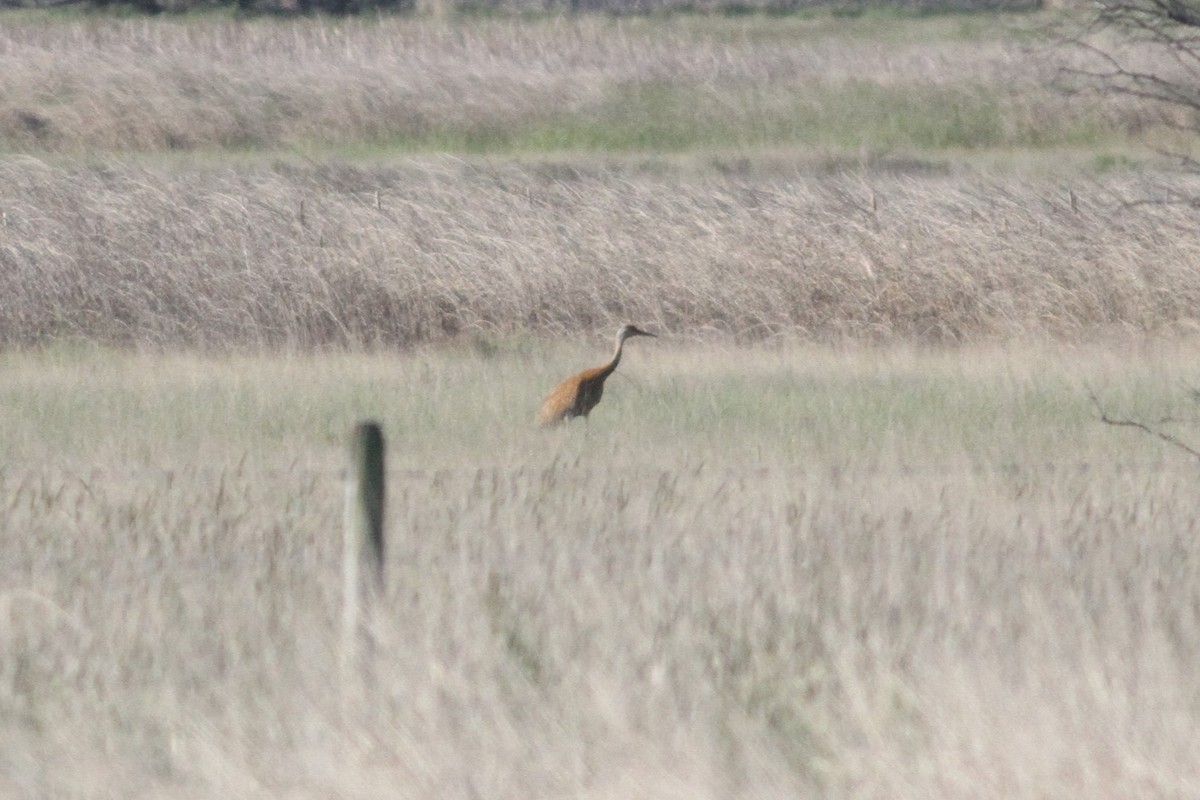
point(1133, 423)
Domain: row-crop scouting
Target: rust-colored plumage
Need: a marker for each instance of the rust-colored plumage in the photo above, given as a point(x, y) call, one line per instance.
point(579, 394)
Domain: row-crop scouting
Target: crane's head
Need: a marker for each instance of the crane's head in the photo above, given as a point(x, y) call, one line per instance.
point(631, 330)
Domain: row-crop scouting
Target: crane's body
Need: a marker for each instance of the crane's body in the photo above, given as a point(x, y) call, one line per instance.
point(579, 394)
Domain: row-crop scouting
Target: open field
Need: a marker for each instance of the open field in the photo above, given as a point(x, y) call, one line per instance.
point(849, 529)
point(766, 572)
point(812, 86)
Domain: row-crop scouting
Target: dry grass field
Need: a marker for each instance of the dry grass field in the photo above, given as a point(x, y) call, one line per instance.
point(662, 84)
point(850, 528)
point(436, 248)
point(759, 572)
point(217, 183)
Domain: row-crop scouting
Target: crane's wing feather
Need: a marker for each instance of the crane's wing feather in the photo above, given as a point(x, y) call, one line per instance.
point(574, 397)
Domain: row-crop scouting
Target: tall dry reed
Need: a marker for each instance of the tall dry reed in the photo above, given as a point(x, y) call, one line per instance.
point(331, 255)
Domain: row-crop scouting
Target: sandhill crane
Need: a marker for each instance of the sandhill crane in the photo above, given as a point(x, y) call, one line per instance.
point(579, 394)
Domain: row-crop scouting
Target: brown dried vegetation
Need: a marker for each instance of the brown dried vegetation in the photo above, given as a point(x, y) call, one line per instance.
point(344, 255)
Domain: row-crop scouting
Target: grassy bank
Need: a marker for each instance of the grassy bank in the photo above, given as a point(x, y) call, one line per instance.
point(473, 405)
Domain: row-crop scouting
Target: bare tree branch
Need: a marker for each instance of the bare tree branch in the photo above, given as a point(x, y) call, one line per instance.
point(1141, 426)
point(1146, 52)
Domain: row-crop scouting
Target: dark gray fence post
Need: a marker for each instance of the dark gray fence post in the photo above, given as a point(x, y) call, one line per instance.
point(363, 544)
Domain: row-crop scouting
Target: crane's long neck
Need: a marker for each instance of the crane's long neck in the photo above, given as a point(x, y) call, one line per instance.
point(616, 359)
